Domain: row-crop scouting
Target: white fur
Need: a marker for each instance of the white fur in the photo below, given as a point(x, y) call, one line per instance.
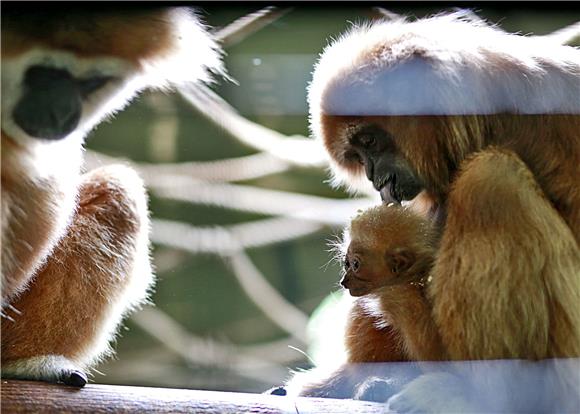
point(371, 305)
point(14, 70)
point(438, 392)
point(191, 58)
point(444, 65)
point(45, 367)
point(492, 386)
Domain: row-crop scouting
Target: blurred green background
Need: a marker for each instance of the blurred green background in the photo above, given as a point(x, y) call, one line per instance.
point(198, 292)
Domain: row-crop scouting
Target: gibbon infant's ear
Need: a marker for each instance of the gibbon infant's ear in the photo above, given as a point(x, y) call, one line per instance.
point(399, 259)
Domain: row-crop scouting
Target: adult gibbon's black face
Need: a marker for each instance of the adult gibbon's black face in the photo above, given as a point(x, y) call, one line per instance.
point(51, 104)
point(384, 166)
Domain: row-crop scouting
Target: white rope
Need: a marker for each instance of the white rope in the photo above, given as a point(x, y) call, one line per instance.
point(241, 28)
point(569, 35)
point(204, 352)
point(259, 200)
point(268, 299)
point(387, 14)
point(224, 240)
point(226, 170)
point(298, 150)
point(173, 181)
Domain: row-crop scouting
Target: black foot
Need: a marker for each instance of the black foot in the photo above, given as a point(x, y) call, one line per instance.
point(276, 391)
point(74, 379)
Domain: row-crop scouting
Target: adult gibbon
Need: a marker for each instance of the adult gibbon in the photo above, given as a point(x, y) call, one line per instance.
point(479, 130)
point(75, 254)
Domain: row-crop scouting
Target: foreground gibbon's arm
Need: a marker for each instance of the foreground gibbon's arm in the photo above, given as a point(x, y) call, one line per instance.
point(387, 265)
point(75, 247)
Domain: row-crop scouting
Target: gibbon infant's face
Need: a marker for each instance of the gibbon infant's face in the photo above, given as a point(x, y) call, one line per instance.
point(365, 269)
point(389, 245)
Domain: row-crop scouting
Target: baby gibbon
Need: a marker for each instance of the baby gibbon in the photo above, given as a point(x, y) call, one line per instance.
point(386, 267)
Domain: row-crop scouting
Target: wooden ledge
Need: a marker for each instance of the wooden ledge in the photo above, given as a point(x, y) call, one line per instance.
point(38, 397)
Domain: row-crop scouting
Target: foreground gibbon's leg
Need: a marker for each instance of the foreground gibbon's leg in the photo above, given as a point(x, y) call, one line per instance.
point(98, 272)
point(506, 283)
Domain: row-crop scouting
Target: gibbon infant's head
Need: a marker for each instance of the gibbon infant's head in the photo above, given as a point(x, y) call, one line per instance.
point(387, 245)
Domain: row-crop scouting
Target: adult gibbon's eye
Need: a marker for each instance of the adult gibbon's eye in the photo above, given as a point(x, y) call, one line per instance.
point(367, 140)
point(355, 265)
point(346, 264)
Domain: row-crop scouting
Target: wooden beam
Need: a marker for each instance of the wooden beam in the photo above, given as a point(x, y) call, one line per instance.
point(38, 397)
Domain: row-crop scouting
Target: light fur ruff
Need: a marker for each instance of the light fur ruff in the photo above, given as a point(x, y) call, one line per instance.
point(423, 67)
point(75, 247)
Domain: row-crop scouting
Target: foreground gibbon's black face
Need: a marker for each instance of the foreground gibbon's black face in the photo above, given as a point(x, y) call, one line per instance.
point(384, 166)
point(51, 105)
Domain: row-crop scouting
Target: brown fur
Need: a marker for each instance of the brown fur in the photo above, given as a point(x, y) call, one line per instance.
point(369, 339)
point(25, 242)
point(505, 283)
point(503, 186)
point(529, 291)
point(394, 250)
